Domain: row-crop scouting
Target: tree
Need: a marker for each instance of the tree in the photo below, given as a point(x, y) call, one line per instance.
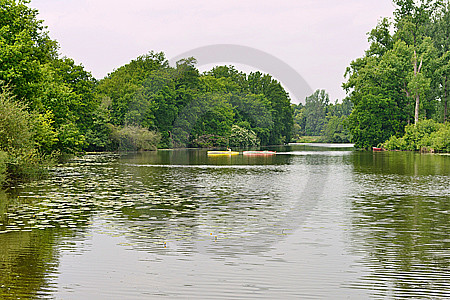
point(411, 21)
point(439, 30)
point(399, 71)
point(123, 86)
point(316, 110)
point(25, 48)
point(334, 131)
point(280, 105)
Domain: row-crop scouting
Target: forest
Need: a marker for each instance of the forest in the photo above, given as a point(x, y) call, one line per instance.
point(51, 107)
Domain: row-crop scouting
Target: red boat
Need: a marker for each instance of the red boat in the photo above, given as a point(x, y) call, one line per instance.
point(377, 149)
point(265, 152)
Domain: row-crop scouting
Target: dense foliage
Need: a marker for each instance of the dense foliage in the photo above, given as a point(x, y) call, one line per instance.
point(19, 140)
point(426, 136)
point(322, 119)
point(403, 76)
point(189, 109)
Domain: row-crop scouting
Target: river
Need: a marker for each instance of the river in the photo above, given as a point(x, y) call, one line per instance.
point(312, 222)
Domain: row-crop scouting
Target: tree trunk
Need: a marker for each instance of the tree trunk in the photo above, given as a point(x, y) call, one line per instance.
point(416, 71)
point(445, 99)
point(416, 111)
point(408, 95)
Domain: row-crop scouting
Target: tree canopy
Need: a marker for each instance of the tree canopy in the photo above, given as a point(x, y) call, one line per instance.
point(403, 76)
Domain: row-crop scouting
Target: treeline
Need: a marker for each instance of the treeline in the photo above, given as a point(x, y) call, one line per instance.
point(403, 78)
point(219, 108)
point(318, 117)
point(51, 107)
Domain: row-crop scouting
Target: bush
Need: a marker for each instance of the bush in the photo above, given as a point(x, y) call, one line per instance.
point(135, 138)
point(3, 160)
point(15, 124)
point(395, 143)
point(440, 140)
point(417, 135)
point(426, 135)
point(44, 135)
point(209, 141)
point(20, 158)
point(242, 137)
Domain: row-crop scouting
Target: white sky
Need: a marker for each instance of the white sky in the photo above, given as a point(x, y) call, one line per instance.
point(318, 38)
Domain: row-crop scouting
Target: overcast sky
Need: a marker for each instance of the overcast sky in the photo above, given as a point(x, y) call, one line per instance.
point(318, 38)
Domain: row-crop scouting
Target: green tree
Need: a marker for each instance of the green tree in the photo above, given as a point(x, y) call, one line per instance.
point(123, 86)
point(24, 47)
point(439, 31)
point(316, 109)
point(334, 130)
point(215, 120)
point(282, 114)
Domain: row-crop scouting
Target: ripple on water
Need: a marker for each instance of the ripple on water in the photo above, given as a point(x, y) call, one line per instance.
point(395, 227)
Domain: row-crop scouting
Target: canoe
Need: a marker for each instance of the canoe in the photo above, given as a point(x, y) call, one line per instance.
point(265, 152)
point(223, 153)
point(377, 149)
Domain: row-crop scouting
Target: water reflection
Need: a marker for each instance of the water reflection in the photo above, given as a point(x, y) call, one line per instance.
point(401, 223)
point(332, 221)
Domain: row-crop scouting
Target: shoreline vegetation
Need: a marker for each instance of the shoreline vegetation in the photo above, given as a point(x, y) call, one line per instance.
point(52, 108)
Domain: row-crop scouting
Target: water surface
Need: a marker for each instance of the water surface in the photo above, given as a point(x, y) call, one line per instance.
point(311, 222)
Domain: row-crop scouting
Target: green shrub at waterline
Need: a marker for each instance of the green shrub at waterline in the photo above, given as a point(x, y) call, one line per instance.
point(19, 156)
point(3, 158)
point(243, 137)
point(134, 138)
point(426, 135)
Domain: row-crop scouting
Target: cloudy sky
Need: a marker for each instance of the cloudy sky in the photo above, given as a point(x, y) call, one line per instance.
point(317, 38)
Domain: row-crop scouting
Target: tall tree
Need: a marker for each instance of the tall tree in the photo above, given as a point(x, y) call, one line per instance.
point(24, 48)
point(411, 20)
point(316, 111)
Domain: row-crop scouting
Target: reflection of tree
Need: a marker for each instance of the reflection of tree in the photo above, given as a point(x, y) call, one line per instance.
point(400, 163)
point(249, 207)
point(26, 260)
point(32, 224)
point(401, 222)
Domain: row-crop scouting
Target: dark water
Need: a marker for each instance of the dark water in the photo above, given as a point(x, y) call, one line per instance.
point(310, 222)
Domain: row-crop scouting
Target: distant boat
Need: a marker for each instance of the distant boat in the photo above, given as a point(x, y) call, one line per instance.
point(377, 149)
point(223, 153)
point(265, 152)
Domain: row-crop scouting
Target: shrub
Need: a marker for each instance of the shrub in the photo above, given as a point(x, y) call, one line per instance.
point(417, 134)
point(208, 141)
point(426, 135)
point(15, 123)
point(395, 143)
point(243, 137)
point(44, 135)
point(440, 140)
point(3, 160)
point(20, 159)
point(135, 138)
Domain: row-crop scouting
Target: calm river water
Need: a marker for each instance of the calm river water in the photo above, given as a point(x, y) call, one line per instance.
point(309, 223)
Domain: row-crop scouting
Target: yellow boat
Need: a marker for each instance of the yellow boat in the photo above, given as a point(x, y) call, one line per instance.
point(223, 153)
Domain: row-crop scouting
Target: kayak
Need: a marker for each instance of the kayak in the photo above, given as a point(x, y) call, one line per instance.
point(265, 152)
point(377, 149)
point(223, 153)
